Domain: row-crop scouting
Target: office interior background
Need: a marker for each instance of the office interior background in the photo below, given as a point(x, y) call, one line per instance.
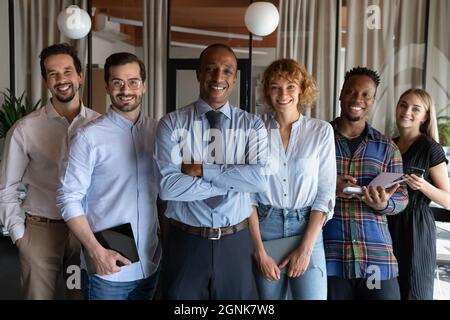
point(407, 41)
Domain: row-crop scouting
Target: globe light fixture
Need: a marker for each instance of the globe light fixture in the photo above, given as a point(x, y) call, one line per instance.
point(261, 18)
point(74, 23)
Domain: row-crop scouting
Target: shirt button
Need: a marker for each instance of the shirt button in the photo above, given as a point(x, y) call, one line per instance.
point(231, 188)
point(284, 180)
point(285, 195)
point(285, 164)
point(354, 241)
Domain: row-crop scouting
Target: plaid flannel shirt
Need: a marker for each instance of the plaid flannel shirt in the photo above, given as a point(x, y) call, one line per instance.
point(357, 240)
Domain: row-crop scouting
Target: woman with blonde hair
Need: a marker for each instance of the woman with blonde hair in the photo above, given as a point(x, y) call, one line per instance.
point(414, 231)
point(301, 192)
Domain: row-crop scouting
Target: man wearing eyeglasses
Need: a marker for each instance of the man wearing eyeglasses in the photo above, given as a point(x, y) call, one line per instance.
point(358, 247)
point(109, 180)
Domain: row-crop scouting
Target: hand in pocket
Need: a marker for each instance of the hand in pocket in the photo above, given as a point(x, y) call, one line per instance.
point(19, 241)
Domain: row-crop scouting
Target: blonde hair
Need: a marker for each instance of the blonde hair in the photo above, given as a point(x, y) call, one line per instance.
point(292, 71)
point(429, 127)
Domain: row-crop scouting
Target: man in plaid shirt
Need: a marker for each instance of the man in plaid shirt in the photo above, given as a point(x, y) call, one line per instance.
point(358, 246)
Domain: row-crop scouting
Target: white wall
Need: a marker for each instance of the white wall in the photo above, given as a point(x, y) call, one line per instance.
point(106, 42)
point(4, 48)
point(101, 49)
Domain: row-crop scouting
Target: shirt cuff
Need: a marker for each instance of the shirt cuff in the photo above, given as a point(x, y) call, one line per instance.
point(389, 209)
point(325, 210)
point(254, 199)
point(72, 210)
point(210, 171)
point(17, 232)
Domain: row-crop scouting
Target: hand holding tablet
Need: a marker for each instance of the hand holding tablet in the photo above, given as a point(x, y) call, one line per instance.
point(387, 180)
point(384, 179)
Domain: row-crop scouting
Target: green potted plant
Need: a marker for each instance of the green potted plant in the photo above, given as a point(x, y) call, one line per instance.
point(444, 134)
point(11, 110)
point(443, 121)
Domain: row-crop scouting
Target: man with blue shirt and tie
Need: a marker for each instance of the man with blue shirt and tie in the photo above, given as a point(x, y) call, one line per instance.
point(211, 156)
point(109, 180)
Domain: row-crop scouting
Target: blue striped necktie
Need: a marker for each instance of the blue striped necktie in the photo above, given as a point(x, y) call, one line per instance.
point(215, 119)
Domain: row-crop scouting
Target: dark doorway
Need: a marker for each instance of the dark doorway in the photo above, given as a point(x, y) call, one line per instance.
point(181, 72)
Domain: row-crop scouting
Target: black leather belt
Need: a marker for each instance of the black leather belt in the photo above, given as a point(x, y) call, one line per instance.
point(42, 219)
point(210, 233)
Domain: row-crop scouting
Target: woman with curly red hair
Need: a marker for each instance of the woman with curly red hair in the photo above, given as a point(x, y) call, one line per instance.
point(301, 192)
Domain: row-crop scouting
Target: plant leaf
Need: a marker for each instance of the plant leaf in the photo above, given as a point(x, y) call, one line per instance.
point(12, 109)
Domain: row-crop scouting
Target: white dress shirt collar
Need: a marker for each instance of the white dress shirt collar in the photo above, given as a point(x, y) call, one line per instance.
point(275, 124)
point(202, 108)
point(51, 112)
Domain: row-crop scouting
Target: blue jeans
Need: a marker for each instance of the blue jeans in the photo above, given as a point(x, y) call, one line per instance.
point(101, 289)
point(312, 285)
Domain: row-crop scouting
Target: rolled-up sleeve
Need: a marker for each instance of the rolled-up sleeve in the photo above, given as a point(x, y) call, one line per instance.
point(12, 190)
point(326, 189)
point(75, 177)
point(399, 200)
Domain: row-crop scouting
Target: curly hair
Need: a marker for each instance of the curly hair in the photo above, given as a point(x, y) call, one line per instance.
point(293, 71)
point(363, 71)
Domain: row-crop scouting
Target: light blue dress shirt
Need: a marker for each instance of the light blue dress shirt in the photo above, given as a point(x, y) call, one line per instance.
point(183, 134)
point(305, 174)
point(109, 175)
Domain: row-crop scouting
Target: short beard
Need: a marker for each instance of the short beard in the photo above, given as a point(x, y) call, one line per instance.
point(63, 99)
point(352, 119)
point(129, 108)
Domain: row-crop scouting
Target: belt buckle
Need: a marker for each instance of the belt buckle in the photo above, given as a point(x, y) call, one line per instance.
point(33, 218)
point(219, 234)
